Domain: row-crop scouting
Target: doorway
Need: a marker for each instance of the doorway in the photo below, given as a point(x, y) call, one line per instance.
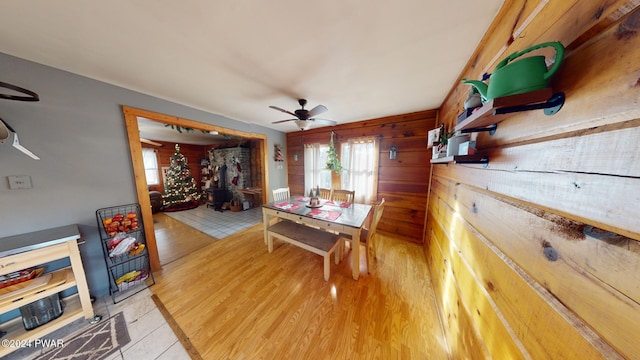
point(131, 120)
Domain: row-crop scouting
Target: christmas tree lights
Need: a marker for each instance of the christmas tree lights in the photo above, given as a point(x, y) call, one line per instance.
point(180, 190)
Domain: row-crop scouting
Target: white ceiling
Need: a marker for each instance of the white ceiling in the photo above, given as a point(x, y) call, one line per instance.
point(361, 59)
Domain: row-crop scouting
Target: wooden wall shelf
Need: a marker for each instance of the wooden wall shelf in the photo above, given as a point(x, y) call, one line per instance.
point(488, 115)
point(462, 159)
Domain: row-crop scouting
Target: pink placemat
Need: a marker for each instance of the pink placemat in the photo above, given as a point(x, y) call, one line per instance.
point(285, 205)
point(324, 214)
point(338, 203)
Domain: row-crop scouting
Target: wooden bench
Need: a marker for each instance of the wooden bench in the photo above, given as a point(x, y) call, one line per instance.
point(315, 240)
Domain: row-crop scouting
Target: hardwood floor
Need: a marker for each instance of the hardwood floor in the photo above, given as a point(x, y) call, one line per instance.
point(233, 300)
point(175, 239)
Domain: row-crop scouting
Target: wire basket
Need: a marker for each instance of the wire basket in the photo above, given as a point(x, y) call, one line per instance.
point(124, 247)
point(124, 218)
point(126, 275)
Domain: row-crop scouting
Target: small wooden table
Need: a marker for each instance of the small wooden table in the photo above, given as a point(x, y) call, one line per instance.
point(350, 220)
point(254, 195)
point(33, 249)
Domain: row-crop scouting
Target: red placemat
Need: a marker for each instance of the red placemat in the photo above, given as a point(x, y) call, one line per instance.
point(324, 214)
point(285, 205)
point(338, 203)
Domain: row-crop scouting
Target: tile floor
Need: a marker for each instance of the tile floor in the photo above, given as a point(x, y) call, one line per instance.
point(218, 224)
point(151, 336)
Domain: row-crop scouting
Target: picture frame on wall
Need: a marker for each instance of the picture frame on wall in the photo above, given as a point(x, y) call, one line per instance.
point(165, 170)
point(432, 137)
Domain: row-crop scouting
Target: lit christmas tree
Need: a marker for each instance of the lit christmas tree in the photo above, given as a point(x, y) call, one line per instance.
point(180, 191)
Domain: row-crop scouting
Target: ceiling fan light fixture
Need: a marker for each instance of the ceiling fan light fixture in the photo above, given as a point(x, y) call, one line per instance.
point(213, 132)
point(303, 124)
point(304, 117)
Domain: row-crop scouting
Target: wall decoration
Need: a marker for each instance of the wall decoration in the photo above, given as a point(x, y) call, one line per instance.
point(277, 152)
point(433, 137)
point(164, 169)
point(393, 152)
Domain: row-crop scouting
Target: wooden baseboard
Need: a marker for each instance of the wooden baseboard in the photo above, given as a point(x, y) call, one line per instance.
point(400, 237)
point(184, 340)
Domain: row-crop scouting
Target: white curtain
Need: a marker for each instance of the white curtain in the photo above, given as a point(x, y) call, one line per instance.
point(150, 166)
point(315, 164)
point(359, 159)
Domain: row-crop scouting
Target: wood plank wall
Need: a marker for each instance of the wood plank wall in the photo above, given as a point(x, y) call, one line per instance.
point(256, 165)
point(403, 183)
point(549, 179)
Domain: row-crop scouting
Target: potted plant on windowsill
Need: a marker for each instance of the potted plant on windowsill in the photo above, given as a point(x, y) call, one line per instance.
point(333, 163)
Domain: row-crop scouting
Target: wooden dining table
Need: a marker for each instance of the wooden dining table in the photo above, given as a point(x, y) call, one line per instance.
point(332, 216)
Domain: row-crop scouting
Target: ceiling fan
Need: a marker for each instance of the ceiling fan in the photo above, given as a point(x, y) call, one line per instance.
point(305, 117)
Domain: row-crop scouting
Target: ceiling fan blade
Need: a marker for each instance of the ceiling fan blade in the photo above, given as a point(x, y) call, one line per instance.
point(323, 121)
point(317, 110)
point(283, 110)
point(281, 121)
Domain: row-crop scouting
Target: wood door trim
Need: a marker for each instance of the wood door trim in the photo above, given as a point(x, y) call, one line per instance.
point(135, 147)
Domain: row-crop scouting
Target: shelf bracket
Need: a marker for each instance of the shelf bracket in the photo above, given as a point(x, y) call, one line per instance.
point(551, 106)
point(471, 160)
point(462, 159)
point(491, 129)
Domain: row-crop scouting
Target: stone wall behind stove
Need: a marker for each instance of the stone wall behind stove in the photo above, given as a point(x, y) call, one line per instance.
point(238, 173)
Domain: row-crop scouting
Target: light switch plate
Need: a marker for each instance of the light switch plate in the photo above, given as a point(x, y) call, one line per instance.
point(19, 182)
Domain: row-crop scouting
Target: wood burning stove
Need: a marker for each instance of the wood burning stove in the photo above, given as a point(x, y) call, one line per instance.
point(217, 197)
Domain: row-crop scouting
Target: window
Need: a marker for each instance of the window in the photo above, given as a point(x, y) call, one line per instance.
point(150, 166)
point(315, 167)
point(359, 158)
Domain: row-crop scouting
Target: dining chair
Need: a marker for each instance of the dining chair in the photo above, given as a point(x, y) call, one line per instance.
point(281, 194)
point(325, 193)
point(343, 195)
point(366, 235)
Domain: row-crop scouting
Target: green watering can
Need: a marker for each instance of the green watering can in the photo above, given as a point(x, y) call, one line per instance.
point(516, 77)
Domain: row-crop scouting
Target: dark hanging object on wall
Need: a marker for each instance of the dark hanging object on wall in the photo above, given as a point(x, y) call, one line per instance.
point(5, 133)
point(31, 96)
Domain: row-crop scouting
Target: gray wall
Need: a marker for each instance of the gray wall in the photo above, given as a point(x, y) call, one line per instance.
point(78, 130)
